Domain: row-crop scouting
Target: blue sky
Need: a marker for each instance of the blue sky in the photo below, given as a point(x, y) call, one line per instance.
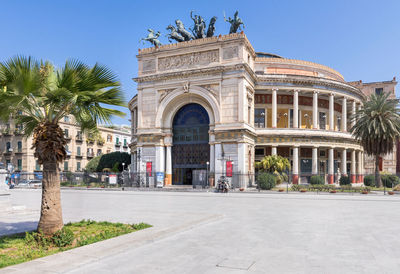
point(360, 39)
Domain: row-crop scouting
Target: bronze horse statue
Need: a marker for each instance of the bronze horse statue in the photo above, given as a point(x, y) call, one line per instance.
point(174, 34)
point(152, 38)
point(182, 31)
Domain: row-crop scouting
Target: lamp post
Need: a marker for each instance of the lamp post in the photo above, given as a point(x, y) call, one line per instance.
point(208, 171)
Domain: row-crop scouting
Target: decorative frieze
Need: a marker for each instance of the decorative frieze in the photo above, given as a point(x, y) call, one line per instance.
point(188, 60)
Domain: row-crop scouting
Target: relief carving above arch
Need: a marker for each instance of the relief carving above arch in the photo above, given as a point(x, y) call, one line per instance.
point(213, 89)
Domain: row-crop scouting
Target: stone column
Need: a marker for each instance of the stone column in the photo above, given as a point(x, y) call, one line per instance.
point(274, 107)
point(212, 158)
point(296, 108)
point(359, 167)
point(160, 159)
point(344, 162)
point(353, 111)
point(331, 112)
point(314, 160)
point(160, 162)
point(217, 161)
point(353, 167)
point(344, 114)
point(315, 110)
point(241, 164)
point(134, 162)
point(139, 159)
point(331, 165)
point(168, 169)
point(295, 168)
point(273, 150)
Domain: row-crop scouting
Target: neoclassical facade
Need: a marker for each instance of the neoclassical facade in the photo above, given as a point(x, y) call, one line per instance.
point(205, 103)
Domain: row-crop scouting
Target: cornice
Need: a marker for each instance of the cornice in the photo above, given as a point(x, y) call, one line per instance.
point(195, 72)
point(297, 62)
point(198, 42)
point(309, 81)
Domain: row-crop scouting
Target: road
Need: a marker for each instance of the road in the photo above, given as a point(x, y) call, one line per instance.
point(224, 233)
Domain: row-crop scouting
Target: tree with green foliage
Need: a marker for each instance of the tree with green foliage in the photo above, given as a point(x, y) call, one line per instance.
point(37, 96)
point(317, 180)
point(377, 127)
point(91, 166)
point(109, 160)
point(276, 165)
point(266, 181)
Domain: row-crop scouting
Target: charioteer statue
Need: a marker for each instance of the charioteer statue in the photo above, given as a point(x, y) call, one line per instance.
point(235, 23)
point(152, 38)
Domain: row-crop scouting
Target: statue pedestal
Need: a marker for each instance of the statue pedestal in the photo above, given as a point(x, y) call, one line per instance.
point(5, 197)
point(5, 203)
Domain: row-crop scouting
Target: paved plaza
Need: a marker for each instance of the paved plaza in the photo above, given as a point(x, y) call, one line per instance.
point(223, 233)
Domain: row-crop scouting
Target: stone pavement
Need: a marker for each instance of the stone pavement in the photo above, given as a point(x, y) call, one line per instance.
point(226, 233)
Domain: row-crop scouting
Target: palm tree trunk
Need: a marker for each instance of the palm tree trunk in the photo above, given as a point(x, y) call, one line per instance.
point(51, 213)
point(378, 182)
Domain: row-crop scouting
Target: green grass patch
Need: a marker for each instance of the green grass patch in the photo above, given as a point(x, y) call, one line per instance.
point(22, 247)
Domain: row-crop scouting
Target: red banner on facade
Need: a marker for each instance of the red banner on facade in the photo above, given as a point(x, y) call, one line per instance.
point(229, 169)
point(149, 168)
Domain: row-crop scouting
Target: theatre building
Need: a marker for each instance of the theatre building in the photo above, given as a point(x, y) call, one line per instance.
point(216, 105)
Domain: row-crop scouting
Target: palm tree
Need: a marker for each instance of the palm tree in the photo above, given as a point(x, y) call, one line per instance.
point(377, 127)
point(37, 96)
point(276, 165)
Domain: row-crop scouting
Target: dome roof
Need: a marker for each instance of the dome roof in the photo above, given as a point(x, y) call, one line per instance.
point(267, 55)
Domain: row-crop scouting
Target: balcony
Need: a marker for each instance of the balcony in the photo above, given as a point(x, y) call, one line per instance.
point(67, 137)
point(100, 143)
point(6, 132)
point(79, 138)
point(79, 155)
point(8, 151)
point(118, 144)
point(90, 155)
point(125, 146)
point(19, 132)
point(18, 151)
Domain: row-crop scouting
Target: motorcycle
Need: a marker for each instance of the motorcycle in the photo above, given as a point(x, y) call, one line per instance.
point(223, 185)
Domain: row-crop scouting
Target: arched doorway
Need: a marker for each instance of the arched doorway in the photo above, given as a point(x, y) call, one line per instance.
point(190, 150)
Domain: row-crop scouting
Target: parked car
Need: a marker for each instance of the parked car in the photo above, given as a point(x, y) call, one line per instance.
point(29, 184)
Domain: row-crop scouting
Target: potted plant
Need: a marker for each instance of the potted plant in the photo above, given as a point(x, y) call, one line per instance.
point(241, 189)
point(303, 190)
point(211, 179)
point(281, 190)
point(391, 192)
point(332, 191)
point(364, 191)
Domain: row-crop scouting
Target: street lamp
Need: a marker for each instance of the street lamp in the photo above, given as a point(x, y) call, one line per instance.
point(208, 171)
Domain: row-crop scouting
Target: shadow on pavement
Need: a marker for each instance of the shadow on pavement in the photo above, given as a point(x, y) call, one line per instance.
point(11, 228)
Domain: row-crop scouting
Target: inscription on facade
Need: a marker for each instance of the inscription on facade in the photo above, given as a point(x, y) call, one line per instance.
point(188, 60)
point(149, 66)
point(230, 53)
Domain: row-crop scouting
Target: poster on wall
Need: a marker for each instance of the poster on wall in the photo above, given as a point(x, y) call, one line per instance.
point(229, 168)
point(112, 179)
point(149, 168)
point(160, 179)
